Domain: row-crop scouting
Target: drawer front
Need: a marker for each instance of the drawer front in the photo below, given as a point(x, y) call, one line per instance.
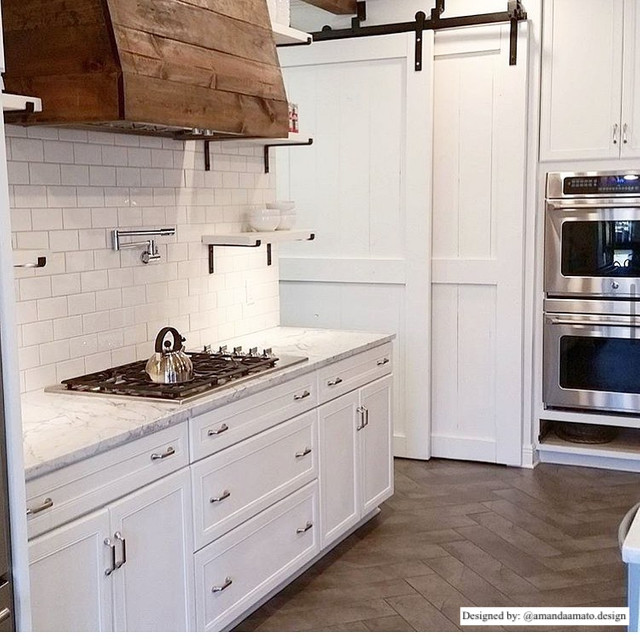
point(349, 374)
point(238, 569)
point(63, 495)
point(228, 425)
point(241, 481)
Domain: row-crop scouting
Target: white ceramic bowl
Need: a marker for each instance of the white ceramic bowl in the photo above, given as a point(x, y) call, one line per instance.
point(287, 220)
point(264, 219)
point(282, 205)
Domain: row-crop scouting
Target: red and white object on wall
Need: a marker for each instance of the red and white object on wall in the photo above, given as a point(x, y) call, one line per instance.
point(293, 118)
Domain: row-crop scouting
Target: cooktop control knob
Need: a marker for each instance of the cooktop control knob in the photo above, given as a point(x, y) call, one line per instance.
point(615, 285)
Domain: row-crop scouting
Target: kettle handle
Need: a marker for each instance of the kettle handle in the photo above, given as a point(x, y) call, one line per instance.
point(177, 339)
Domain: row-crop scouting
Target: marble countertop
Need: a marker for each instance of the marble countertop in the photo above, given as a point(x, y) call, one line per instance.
point(631, 546)
point(60, 429)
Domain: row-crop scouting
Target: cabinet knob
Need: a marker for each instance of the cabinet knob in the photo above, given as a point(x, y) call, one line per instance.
point(227, 583)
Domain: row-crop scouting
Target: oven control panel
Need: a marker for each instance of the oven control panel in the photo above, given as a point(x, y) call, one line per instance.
point(586, 185)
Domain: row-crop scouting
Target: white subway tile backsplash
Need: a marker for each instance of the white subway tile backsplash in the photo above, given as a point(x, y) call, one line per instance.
point(66, 240)
point(46, 219)
point(59, 152)
point(94, 306)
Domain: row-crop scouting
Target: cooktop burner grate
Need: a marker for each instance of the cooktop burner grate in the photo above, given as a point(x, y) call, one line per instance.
point(211, 370)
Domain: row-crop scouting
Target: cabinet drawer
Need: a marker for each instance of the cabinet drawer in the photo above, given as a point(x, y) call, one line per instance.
point(241, 481)
point(242, 566)
point(225, 426)
point(349, 374)
point(7, 622)
point(63, 495)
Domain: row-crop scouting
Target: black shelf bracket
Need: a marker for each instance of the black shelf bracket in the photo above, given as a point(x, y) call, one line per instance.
point(514, 14)
point(267, 167)
point(257, 243)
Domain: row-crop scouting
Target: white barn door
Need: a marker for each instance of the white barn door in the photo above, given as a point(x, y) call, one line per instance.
point(478, 245)
point(365, 186)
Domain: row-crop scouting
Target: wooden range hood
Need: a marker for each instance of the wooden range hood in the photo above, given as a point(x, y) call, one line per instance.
point(161, 67)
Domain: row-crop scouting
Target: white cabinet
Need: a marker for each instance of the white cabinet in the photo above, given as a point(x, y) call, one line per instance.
point(69, 590)
point(127, 567)
point(356, 465)
point(590, 80)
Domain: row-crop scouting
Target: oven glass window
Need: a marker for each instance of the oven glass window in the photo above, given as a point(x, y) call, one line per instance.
point(601, 248)
point(600, 364)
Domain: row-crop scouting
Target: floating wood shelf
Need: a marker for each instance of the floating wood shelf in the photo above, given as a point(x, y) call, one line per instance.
point(255, 239)
point(13, 102)
point(284, 35)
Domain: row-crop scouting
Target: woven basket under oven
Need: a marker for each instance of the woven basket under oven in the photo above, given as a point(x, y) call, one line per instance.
point(585, 433)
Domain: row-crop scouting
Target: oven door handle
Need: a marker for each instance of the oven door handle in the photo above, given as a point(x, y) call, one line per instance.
point(591, 205)
point(595, 323)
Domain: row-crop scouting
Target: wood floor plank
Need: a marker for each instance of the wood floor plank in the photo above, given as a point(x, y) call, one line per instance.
point(464, 534)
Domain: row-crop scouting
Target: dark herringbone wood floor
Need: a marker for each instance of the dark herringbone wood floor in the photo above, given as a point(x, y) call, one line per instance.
point(467, 534)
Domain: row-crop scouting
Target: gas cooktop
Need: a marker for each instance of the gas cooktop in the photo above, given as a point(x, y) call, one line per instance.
point(212, 370)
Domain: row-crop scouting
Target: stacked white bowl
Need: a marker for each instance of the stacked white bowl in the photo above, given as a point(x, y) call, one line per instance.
point(287, 210)
point(263, 219)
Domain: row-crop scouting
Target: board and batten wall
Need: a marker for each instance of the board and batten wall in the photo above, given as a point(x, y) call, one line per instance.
point(92, 307)
point(365, 186)
point(468, 401)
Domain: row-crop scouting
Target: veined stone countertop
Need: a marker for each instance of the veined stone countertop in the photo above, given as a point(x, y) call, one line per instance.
point(60, 429)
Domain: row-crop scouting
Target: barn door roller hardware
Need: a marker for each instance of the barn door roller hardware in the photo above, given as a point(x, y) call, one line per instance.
point(515, 13)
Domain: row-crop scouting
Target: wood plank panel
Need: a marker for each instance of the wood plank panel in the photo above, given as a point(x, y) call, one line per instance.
point(340, 7)
point(155, 56)
point(19, 15)
point(189, 24)
point(200, 107)
point(251, 12)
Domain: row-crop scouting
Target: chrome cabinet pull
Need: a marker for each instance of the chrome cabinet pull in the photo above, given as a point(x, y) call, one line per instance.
point(300, 396)
point(305, 528)
point(383, 361)
point(5, 614)
point(615, 134)
point(39, 264)
point(302, 454)
point(161, 456)
point(113, 567)
point(333, 383)
point(361, 425)
point(221, 429)
point(47, 504)
point(625, 130)
point(366, 416)
point(225, 494)
point(227, 583)
point(118, 536)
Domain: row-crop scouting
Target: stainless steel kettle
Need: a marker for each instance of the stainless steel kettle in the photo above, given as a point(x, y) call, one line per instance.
point(169, 364)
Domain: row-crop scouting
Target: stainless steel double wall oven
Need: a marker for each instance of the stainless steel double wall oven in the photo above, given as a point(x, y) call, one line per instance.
point(591, 358)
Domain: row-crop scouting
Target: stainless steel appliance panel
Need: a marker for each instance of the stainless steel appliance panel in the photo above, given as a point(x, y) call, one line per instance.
point(592, 362)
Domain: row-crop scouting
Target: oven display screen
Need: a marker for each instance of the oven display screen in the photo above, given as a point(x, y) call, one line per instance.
point(595, 185)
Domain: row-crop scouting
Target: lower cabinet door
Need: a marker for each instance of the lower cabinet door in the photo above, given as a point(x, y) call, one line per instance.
point(69, 588)
point(376, 458)
point(153, 535)
point(236, 570)
point(339, 469)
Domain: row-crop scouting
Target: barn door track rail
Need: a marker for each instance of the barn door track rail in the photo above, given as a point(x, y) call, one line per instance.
point(515, 13)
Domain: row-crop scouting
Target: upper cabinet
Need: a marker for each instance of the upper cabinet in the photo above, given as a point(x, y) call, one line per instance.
point(590, 80)
point(162, 67)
